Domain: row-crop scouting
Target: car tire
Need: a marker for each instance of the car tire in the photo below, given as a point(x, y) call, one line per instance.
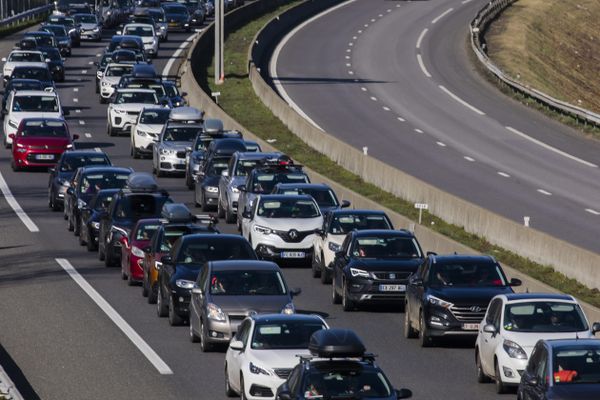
point(501, 388)
point(242, 390)
point(202, 201)
point(101, 254)
point(347, 304)
point(220, 211)
point(134, 152)
point(229, 392)
point(229, 216)
point(424, 337)
point(189, 182)
point(159, 173)
point(108, 260)
point(69, 224)
point(91, 246)
point(130, 281)
point(409, 331)
point(174, 319)
point(82, 241)
point(123, 274)
point(97, 88)
point(76, 227)
point(325, 274)
point(109, 130)
point(53, 204)
point(102, 100)
point(193, 337)
point(481, 376)
point(145, 290)
point(316, 270)
point(14, 166)
point(335, 297)
point(161, 309)
point(205, 346)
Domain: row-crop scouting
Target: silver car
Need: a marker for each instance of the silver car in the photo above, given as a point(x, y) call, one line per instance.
point(91, 28)
point(169, 153)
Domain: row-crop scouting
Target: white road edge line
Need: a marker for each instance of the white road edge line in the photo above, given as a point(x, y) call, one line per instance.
point(165, 71)
point(548, 147)
point(503, 174)
point(442, 15)
point(461, 101)
point(12, 202)
point(422, 65)
point(281, 45)
point(421, 36)
point(135, 338)
point(544, 192)
point(592, 211)
point(469, 159)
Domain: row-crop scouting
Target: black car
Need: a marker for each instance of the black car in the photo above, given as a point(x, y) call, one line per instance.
point(176, 97)
point(41, 74)
point(91, 214)
point(448, 295)
point(339, 368)
point(567, 369)
point(141, 198)
point(70, 25)
point(373, 266)
point(86, 182)
point(55, 64)
point(20, 84)
point(43, 39)
point(177, 17)
point(62, 37)
point(322, 193)
point(180, 269)
point(62, 173)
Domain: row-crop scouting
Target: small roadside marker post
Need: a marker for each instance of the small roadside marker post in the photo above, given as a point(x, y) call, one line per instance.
point(421, 207)
point(216, 96)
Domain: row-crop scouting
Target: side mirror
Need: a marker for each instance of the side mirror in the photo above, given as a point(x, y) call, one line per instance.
point(295, 292)
point(11, 135)
point(47, 60)
point(345, 204)
point(225, 173)
point(236, 345)
point(246, 214)
point(416, 281)
point(530, 380)
point(188, 149)
point(196, 290)
point(119, 32)
point(595, 327)
point(284, 396)
point(66, 112)
point(50, 169)
point(75, 136)
point(241, 188)
point(166, 259)
point(70, 191)
point(431, 253)
point(489, 328)
point(515, 282)
point(403, 393)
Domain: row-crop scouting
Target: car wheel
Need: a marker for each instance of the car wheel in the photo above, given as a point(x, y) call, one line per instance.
point(14, 166)
point(325, 274)
point(424, 337)
point(69, 224)
point(202, 201)
point(145, 286)
point(409, 331)
point(130, 281)
point(91, 246)
point(108, 260)
point(101, 254)
point(159, 173)
point(229, 216)
point(82, 241)
point(242, 389)
point(193, 337)
point(97, 88)
point(347, 304)
point(6, 144)
point(110, 131)
point(501, 388)
point(229, 392)
point(174, 319)
point(76, 227)
point(220, 211)
point(481, 376)
point(161, 309)
point(152, 295)
point(102, 100)
point(189, 182)
point(316, 271)
point(335, 297)
point(123, 274)
point(205, 346)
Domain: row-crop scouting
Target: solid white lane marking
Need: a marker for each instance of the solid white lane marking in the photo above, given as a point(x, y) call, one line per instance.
point(373, 98)
point(442, 15)
point(421, 36)
point(544, 192)
point(461, 101)
point(401, 119)
point(84, 71)
point(131, 334)
point(165, 71)
point(441, 144)
point(81, 122)
point(469, 159)
point(418, 130)
point(364, 89)
point(548, 147)
point(386, 108)
point(504, 174)
point(87, 135)
point(422, 65)
point(12, 202)
point(592, 211)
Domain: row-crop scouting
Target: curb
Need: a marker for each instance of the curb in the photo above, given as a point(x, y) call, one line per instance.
point(7, 387)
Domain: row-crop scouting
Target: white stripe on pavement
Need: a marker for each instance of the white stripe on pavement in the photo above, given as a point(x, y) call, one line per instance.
point(175, 55)
point(422, 65)
point(442, 15)
point(135, 338)
point(421, 36)
point(12, 202)
point(461, 101)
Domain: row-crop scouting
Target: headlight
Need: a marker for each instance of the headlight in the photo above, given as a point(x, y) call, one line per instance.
point(99, 74)
point(136, 251)
point(105, 83)
point(108, 12)
point(183, 283)
point(13, 124)
point(263, 229)
point(63, 42)
point(438, 302)
point(96, 30)
point(514, 350)
point(215, 313)
point(359, 272)
point(167, 151)
point(334, 247)
point(117, 111)
point(212, 189)
point(235, 190)
point(21, 150)
point(288, 309)
point(141, 133)
point(96, 225)
point(255, 369)
point(81, 203)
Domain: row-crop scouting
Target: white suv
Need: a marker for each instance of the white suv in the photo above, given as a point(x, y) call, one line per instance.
point(123, 113)
point(21, 57)
point(110, 79)
point(148, 35)
point(147, 129)
point(513, 325)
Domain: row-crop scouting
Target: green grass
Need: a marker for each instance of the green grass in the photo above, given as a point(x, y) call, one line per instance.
point(7, 31)
point(240, 102)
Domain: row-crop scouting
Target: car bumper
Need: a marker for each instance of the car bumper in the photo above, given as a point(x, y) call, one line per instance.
point(37, 158)
point(211, 198)
point(261, 387)
point(91, 35)
point(221, 331)
point(151, 49)
point(441, 323)
point(510, 368)
point(178, 26)
point(106, 91)
point(122, 122)
point(372, 291)
point(169, 163)
point(281, 255)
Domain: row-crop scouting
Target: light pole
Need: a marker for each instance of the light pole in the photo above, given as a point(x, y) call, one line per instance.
point(219, 38)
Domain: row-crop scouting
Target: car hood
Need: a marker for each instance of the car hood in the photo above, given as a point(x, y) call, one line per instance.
point(237, 181)
point(129, 106)
point(285, 224)
point(527, 340)
point(113, 80)
point(44, 141)
point(175, 145)
point(247, 304)
point(391, 264)
point(175, 18)
point(469, 295)
point(88, 26)
point(575, 392)
point(270, 358)
point(186, 271)
point(152, 128)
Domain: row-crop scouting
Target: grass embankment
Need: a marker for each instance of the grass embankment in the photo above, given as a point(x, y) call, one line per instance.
point(7, 31)
point(551, 45)
point(239, 101)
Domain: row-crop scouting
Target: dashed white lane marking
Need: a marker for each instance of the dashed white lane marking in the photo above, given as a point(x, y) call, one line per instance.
point(78, 110)
point(98, 55)
point(386, 108)
point(469, 159)
point(350, 44)
point(87, 135)
point(348, 65)
point(461, 101)
point(442, 15)
point(373, 98)
point(348, 50)
point(91, 63)
point(354, 37)
point(84, 71)
point(421, 36)
point(418, 130)
point(422, 65)
point(401, 119)
point(347, 57)
point(594, 212)
point(373, 20)
point(441, 144)
point(544, 192)
point(165, 71)
point(380, 15)
point(76, 89)
point(504, 174)
point(75, 100)
point(359, 31)
point(366, 25)
point(548, 147)
point(465, 1)
point(131, 334)
point(12, 202)
point(364, 89)
point(389, 10)
point(81, 122)
point(350, 72)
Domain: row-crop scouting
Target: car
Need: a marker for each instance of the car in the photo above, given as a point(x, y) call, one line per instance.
point(111, 14)
point(100, 67)
point(512, 326)
point(322, 193)
point(17, 57)
point(44, 39)
point(148, 35)
point(282, 228)
point(27, 43)
point(15, 85)
point(264, 351)
point(62, 37)
point(70, 25)
point(160, 23)
point(145, 132)
point(197, 11)
point(240, 166)
point(562, 370)
point(169, 152)
point(29, 104)
point(181, 267)
point(132, 255)
point(124, 56)
point(39, 142)
point(373, 267)
point(187, 115)
point(123, 113)
point(177, 16)
point(91, 213)
point(337, 224)
point(339, 368)
point(34, 70)
point(227, 291)
point(110, 79)
point(176, 221)
point(448, 295)
point(141, 198)
point(125, 42)
point(55, 64)
point(91, 27)
point(60, 175)
point(86, 182)
point(176, 98)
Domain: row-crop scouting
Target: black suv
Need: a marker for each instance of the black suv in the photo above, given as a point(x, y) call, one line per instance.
point(339, 368)
point(91, 214)
point(139, 199)
point(373, 266)
point(448, 295)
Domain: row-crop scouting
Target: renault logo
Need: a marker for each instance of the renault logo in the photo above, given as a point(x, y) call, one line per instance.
point(293, 234)
point(475, 309)
point(392, 276)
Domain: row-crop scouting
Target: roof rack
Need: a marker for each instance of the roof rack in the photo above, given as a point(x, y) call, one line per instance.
point(176, 212)
point(336, 343)
point(142, 182)
point(278, 163)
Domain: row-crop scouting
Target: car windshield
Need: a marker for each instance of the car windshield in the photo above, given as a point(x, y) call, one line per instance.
point(218, 165)
point(176, 10)
point(385, 247)
point(40, 74)
point(180, 134)
point(95, 181)
point(467, 274)
point(124, 56)
point(136, 97)
point(139, 31)
point(265, 182)
point(86, 19)
point(171, 90)
point(56, 30)
point(202, 250)
point(34, 103)
point(282, 335)
point(170, 236)
point(202, 142)
point(244, 167)
point(287, 208)
point(24, 85)
point(145, 231)
point(247, 283)
point(53, 55)
point(140, 206)
point(576, 365)
point(252, 147)
point(342, 224)
point(155, 117)
point(43, 40)
point(346, 383)
point(44, 129)
point(72, 161)
point(157, 15)
point(102, 201)
point(25, 57)
point(324, 197)
point(106, 59)
point(544, 316)
point(119, 70)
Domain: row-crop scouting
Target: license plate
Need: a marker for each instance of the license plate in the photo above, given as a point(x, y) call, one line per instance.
point(293, 254)
point(392, 288)
point(173, 24)
point(470, 327)
point(44, 157)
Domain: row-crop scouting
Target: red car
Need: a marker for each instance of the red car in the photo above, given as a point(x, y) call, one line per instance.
point(39, 142)
point(132, 253)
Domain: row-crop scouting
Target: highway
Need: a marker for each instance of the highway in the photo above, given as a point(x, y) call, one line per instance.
point(396, 77)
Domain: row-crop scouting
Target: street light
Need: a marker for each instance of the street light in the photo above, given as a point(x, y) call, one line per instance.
point(219, 41)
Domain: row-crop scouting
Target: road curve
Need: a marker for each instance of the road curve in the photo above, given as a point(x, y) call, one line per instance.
point(396, 77)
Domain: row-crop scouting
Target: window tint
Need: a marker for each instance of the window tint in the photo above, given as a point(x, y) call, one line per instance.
point(385, 247)
point(287, 208)
point(544, 316)
point(201, 251)
point(146, 231)
point(342, 224)
point(467, 274)
point(247, 283)
point(25, 103)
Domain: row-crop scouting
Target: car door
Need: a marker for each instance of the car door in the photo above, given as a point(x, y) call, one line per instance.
point(489, 341)
point(340, 261)
point(320, 241)
point(527, 388)
point(412, 301)
point(239, 357)
point(247, 223)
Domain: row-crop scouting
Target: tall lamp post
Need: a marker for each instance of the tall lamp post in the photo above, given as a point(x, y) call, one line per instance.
point(219, 38)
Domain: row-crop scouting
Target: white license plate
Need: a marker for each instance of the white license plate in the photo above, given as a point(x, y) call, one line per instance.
point(470, 327)
point(392, 288)
point(292, 254)
point(44, 157)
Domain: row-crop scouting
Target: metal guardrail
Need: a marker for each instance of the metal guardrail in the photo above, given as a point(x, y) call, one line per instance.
point(15, 11)
point(478, 28)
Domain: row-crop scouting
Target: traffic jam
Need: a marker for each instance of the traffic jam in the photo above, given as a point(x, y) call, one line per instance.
point(230, 288)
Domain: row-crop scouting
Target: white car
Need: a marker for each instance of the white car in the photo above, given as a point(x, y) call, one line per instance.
point(282, 228)
point(29, 104)
point(110, 79)
point(147, 129)
point(91, 29)
point(148, 35)
point(512, 326)
point(123, 113)
point(21, 57)
point(265, 350)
